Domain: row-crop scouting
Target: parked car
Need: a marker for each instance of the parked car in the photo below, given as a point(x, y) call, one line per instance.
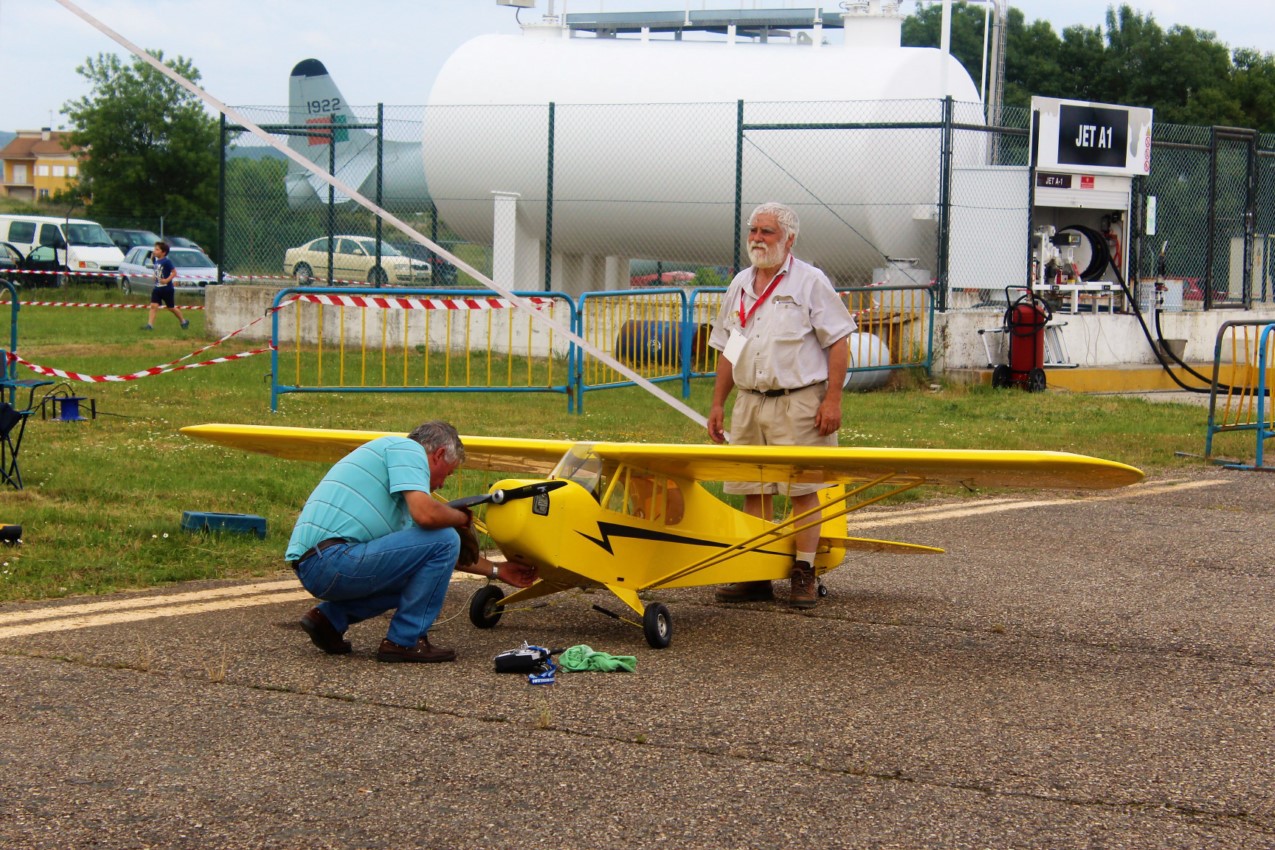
point(442, 273)
point(353, 258)
point(128, 239)
point(10, 257)
point(80, 246)
point(194, 269)
point(182, 242)
point(13, 264)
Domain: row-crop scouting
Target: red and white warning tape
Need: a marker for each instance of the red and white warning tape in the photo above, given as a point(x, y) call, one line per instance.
point(89, 304)
point(383, 302)
point(145, 373)
point(171, 366)
point(391, 303)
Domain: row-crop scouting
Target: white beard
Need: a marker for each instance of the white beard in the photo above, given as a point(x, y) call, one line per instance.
point(764, 256)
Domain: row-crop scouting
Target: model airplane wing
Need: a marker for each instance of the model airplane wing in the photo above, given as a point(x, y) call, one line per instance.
point(848, 465)
point(330, 445)
point(782, 464)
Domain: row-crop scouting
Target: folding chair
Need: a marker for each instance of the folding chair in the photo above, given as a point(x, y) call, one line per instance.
point(13, 424)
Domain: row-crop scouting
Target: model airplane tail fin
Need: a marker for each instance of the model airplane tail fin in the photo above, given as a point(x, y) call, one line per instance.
point(315, 101)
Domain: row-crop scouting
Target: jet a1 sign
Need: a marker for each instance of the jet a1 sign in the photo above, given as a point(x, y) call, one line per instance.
point(1077, 136)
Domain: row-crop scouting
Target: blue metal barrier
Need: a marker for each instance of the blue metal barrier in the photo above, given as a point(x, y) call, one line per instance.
point(422, 340)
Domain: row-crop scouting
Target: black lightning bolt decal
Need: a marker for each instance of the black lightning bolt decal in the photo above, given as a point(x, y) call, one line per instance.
point(607, 530)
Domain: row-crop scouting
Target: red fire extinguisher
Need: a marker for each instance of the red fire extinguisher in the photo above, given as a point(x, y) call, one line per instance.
point(1025, 321)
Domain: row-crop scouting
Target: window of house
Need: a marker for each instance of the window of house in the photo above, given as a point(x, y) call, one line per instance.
point(41, 171)
point(59, 171)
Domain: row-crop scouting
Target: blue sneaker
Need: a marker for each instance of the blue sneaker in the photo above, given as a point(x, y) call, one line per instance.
point(185, 324)
point(147, 328)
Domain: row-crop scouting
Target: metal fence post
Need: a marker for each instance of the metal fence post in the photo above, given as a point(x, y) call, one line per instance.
point(549, 205)
point(221, 201)
point(739, 184)
point(380, 180)
point(945, 202)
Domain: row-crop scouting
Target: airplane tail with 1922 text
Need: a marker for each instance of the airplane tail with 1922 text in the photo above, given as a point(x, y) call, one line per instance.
point(341, 141)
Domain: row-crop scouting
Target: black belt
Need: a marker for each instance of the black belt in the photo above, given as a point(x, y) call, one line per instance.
point(319, 547)
point(777, 393)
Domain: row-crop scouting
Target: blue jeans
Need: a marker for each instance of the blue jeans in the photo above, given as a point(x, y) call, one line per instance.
point(407, 570)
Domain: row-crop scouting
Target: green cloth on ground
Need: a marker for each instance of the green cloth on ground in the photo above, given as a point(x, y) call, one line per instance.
point(581, 658)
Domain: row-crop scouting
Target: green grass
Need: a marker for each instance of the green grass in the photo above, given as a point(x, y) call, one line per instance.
point(103, 500)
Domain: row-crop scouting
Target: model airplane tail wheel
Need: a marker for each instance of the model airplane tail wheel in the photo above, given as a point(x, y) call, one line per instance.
point(483, 610)
point(1035, 380)
point(1001, 376)
point(823, 589)
point(657, 623)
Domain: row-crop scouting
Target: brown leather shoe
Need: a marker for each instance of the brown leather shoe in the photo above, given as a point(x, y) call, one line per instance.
point(423, 652)
point(745, 591)
point(805, 590)
point(323, 634)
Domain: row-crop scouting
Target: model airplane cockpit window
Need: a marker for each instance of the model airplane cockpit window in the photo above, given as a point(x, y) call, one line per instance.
point(582, 466)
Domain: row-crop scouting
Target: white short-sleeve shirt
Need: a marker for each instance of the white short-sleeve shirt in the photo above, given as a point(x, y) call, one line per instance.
point(786, 336)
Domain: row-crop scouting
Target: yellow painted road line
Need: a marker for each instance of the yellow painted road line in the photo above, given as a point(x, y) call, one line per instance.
point(110, 619)
point(138, 608)
point(910, 517)
point(116, 603)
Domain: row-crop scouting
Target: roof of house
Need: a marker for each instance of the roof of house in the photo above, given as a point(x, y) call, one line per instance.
point(35, 145)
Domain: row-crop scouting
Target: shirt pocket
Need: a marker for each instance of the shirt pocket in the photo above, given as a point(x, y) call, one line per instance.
point(792, 320)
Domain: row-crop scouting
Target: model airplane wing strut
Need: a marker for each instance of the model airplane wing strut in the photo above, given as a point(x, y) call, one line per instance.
point(794, 524)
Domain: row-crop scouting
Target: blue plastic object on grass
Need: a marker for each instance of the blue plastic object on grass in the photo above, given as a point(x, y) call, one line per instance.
point(238, 523)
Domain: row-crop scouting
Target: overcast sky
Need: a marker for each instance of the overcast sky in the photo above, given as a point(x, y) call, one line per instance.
point(388, 51)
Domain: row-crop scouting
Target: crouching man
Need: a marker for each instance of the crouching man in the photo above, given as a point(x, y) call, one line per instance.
point(371, 539)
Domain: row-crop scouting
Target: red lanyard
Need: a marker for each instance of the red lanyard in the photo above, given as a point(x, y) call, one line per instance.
point(744, 317)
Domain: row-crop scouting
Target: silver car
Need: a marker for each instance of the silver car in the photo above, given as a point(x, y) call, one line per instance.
point(194, 269)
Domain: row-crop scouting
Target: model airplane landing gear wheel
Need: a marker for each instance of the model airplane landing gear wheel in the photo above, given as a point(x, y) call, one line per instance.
point(823, 590)
point(657, 624)
point(483, 610)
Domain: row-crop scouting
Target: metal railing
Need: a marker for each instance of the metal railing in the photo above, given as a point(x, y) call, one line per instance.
point(363, 339)
point(1241, 402)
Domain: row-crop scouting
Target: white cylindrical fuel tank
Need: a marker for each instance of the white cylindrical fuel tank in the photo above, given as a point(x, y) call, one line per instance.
point(644, 144)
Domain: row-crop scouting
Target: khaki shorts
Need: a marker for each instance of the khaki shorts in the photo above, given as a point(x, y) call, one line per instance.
point(786, 420)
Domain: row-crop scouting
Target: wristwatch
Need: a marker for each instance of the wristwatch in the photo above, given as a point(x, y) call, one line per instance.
point(495, 570)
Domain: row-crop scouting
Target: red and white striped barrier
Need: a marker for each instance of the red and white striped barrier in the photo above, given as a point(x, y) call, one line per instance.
point(171, 366)
point(89, 304)
point(145, 373)
point(391, 303)
point(360, 301)
point(66, 273)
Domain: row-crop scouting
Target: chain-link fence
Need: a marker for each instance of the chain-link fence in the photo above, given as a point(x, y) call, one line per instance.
point(887, 191)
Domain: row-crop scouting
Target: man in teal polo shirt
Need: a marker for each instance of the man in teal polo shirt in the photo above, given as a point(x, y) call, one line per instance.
point(371, 538)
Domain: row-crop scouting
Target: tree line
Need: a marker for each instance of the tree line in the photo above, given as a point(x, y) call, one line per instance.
point(154, 147)
point(1186, 75)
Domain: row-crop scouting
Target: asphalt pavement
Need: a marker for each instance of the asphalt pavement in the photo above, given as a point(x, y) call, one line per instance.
point(1078, 670)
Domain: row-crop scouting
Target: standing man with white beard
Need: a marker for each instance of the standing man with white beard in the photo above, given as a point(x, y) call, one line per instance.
point(782, 335)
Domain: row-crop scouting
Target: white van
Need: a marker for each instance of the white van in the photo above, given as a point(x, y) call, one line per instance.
point(80, 245)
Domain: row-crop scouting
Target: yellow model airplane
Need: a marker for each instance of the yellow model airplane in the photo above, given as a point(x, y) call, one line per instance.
point(633, 517)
